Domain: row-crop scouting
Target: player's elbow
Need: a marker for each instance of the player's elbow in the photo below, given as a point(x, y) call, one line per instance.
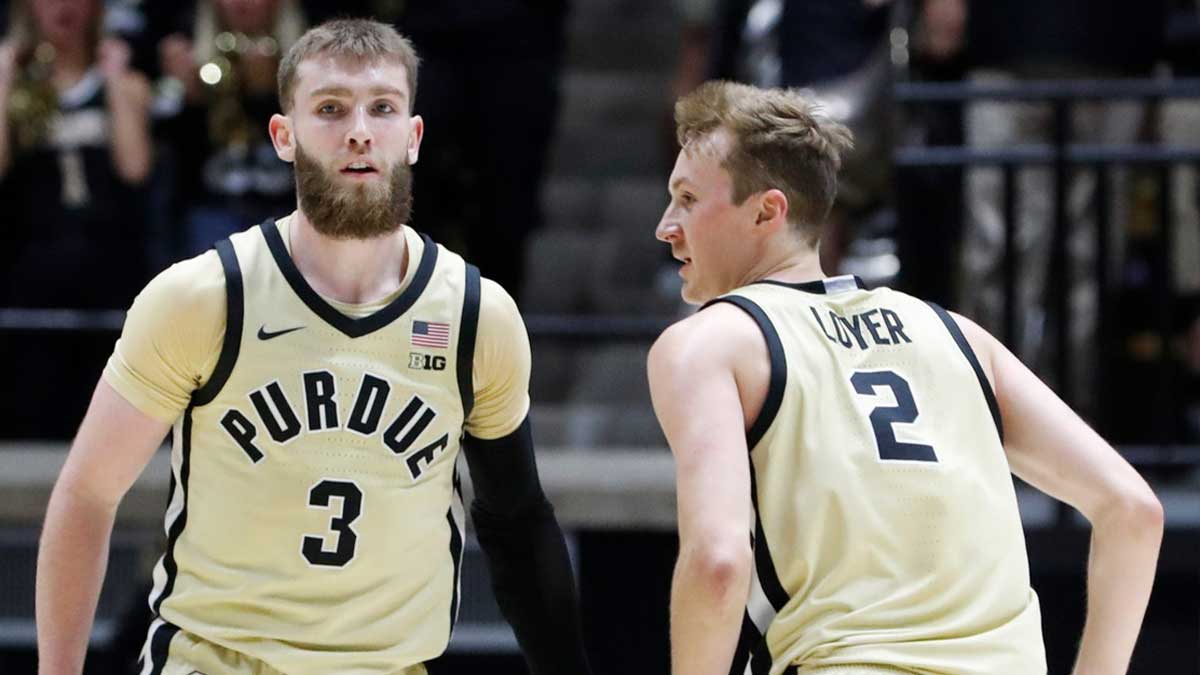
point(1145, 509)
point(1134, 508)
point(719, 568)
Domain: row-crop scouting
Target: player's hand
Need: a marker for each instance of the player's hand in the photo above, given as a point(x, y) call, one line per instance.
point(942, 29)
point(114, 56)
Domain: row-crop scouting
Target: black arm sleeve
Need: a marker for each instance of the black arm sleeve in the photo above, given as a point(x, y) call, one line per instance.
point(526, 553)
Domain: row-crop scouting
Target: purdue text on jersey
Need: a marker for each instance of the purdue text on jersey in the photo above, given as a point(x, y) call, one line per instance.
point(313, 475)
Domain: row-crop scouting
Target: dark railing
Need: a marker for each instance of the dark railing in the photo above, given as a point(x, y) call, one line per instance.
point(1064, 155)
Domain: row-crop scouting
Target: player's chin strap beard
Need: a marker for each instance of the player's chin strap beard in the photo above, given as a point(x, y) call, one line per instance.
point(352, 213)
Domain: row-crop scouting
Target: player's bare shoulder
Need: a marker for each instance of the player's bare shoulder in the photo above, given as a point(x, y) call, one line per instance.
point(720, 334)
point(720, 341)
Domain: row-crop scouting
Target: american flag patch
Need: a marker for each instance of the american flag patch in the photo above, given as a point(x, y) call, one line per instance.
point(430, 334)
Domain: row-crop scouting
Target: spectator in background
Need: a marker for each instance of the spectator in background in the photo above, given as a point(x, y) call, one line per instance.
point(929, 199)
point(1024, 39)
point(1178, 128)
point(75, 149)
point(489, 80)
point(838, 50)
point(229, 176)
point(141, 24)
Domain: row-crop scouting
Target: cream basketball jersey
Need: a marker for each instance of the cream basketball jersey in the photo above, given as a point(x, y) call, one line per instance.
point(886, 527)
point(315, 521)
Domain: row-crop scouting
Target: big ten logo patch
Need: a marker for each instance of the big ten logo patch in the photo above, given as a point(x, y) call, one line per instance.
point(418, 361)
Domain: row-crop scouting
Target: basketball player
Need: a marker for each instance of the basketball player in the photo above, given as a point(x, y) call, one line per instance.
point(845, 502)
point(322, 373)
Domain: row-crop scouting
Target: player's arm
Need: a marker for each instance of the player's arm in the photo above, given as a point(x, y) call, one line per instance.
point(1051, 448)
point(170, 342)
point(515, 524)
point(694, 387)
point(113, 445)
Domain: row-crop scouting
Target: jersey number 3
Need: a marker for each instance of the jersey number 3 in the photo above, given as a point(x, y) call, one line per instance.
point(320, 496)
point(883, 417)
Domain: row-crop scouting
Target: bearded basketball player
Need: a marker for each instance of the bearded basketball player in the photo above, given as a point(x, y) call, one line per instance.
point(321, 373)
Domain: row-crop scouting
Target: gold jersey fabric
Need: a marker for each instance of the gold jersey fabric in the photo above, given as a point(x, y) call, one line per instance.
point(886, 531)
point(315, 523)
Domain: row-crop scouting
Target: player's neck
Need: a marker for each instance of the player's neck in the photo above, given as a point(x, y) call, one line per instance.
point(353, 271)
point(793, 265)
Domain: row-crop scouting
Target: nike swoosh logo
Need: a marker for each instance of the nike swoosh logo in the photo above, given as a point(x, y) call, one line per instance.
point(263, 334)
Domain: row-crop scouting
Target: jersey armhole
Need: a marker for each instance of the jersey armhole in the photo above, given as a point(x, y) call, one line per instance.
point(234, 310)
point(965, 348)
point(466, 341)
point(778, 366)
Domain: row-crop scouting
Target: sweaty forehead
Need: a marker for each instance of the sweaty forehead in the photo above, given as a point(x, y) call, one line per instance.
point(699, 169)
point(323, 71)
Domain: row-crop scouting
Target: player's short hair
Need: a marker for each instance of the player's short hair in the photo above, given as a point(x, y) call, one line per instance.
point(358, 39)
point(781, 139)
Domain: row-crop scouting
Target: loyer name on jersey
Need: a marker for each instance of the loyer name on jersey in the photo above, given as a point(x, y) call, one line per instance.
point(886, 329)
point(274, 412)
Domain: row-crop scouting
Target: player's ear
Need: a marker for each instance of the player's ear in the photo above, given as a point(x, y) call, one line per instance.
point(772, 209)
point(280, 127)
point(415, 133)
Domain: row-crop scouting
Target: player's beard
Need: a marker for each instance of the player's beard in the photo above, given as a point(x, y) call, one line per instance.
point(361, 211)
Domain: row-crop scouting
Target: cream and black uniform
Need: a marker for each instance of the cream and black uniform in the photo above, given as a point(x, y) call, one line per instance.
point(315, 522)
point(886, 533)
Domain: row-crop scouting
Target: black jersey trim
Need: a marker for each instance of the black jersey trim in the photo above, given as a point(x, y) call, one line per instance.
point(160, 647)
point(760, 658)
point(170, 566)
point(456, 550)
point(350, 326)
point(768, 578)
point(466, 341)
point(817, 286)
point(778, 366)
point(751, 650)
point(235, 308)
point(965, 347)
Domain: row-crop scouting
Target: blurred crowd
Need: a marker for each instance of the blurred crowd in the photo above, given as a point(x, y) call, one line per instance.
point(132, 136)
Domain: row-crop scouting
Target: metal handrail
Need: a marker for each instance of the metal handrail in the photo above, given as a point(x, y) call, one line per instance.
point(1063, 156)
point(61, 320)
point(1079, 153)
point(1046, 90)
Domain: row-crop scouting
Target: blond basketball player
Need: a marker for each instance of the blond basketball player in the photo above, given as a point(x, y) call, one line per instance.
point(321, 373)
point(843, 455)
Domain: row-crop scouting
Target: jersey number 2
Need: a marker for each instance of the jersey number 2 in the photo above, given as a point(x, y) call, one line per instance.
point(883, 417)
point(320, 496)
